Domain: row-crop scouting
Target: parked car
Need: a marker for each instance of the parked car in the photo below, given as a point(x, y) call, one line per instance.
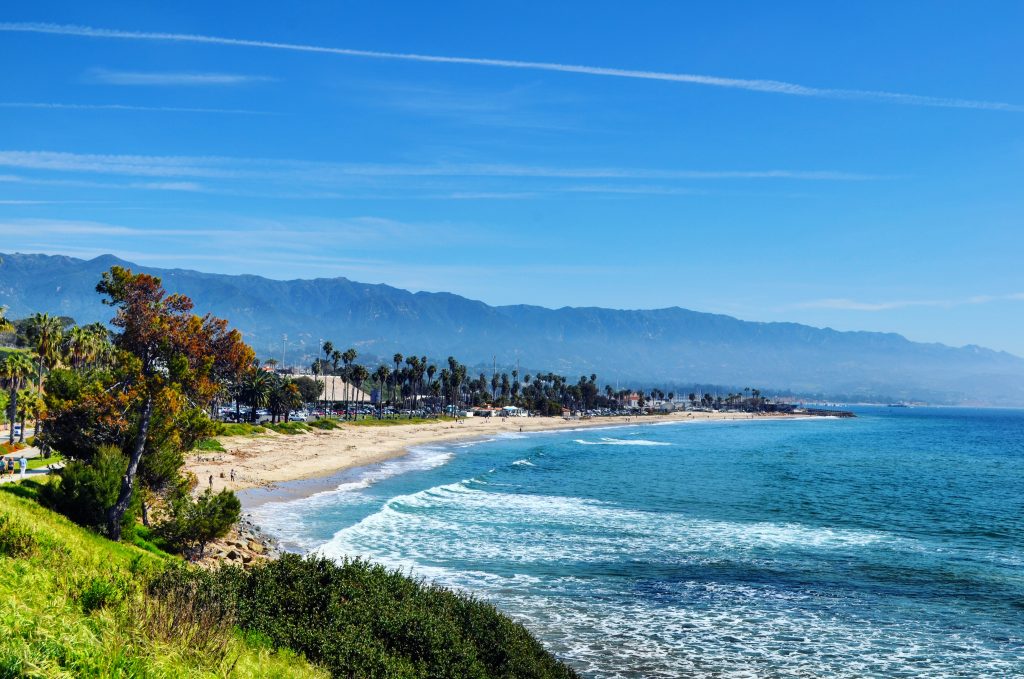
point(297, 417)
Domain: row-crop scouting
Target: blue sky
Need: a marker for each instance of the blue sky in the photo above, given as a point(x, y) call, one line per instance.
point(853, 165)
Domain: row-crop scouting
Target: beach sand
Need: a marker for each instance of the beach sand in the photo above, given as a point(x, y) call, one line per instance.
point(266, 459)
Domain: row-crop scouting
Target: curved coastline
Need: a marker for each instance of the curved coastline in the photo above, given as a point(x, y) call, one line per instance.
point(278, 466)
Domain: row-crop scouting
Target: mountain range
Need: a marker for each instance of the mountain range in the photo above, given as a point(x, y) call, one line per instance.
point(658, 346)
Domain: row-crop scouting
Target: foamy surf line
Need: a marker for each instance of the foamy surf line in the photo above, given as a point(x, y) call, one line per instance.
point(362, 477)
point(416, 458)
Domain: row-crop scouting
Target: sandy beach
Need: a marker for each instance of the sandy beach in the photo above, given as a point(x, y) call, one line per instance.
point(266, 459)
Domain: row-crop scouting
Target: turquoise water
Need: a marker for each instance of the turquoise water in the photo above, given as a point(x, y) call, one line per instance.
point(887, 545)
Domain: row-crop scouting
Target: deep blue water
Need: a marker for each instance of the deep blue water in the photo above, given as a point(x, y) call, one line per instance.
point(887, 545)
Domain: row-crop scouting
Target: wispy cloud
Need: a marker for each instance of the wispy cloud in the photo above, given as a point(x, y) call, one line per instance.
point(105, 77)
point(753, 85)
point(125, 107)
point(842, 304)
point(247, 168)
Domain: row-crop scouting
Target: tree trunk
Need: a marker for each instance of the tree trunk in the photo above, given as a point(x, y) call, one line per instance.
point(21, 435)
point(12, 412)
point(145, 514)
point(116, 513)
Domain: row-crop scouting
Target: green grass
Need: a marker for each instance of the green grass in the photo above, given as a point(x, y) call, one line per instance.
point(210, 446)
point(73, 604)
point(239, 429)
point(37, 462)
point(369, 422)
point(325, 425)
point(289, 428)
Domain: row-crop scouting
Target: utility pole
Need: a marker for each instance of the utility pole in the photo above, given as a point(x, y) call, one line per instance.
point(284, 350)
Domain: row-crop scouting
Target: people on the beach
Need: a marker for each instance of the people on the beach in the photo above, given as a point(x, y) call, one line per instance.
point(10, 466)
point(23, 463)
point(211, 481)
point(232, 476)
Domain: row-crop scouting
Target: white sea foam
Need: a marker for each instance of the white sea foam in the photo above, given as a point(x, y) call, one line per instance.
point(524, 463)
point(289, 520)
point(457, 519)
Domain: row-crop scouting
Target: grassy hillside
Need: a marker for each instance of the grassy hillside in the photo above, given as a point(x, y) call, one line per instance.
point(72, 604)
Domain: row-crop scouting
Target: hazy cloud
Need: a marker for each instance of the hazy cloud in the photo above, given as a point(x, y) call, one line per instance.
point(843, 304)
point(105, 77)
point(125, 107)
point(754, 85)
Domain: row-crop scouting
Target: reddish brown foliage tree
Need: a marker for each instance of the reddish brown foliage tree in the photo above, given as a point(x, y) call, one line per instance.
point(171, 356)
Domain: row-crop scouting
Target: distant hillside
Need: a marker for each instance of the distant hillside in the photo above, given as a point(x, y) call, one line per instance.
point(663, 345)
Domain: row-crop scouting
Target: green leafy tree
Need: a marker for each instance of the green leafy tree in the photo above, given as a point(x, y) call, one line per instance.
point(169, 358)
point(85, 492)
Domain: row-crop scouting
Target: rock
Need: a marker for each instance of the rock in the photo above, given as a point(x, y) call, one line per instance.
point(247, 558)
point(256, 547)
point(232, 555)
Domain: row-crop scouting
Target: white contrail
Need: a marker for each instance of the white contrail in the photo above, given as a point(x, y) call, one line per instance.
point(770, 86)
point(125, 107)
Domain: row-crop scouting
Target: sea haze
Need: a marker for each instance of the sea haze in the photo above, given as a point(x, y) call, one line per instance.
point(886, 545)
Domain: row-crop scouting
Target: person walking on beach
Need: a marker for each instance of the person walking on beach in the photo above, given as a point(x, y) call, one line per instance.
point(23, 463)
point(10, 466)
point(232, 476)
point(211, 481)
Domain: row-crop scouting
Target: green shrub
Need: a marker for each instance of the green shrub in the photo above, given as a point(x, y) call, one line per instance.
point(362, 620)
point(193, 523)
point(15, 541)
point(100, 592)
point(238, 429)
point(85, 491)
point(289, 428)
point(324, 424)
point(210, 446)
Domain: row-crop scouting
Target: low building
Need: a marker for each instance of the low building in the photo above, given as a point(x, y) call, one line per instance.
point(336, 389)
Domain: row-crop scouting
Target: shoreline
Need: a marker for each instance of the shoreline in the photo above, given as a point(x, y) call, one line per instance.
point(309, 462)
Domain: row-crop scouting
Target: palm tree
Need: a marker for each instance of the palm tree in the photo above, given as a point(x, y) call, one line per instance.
point(327, 347)
point(380, 375)
point(347, 358)
point(78, 346)
point(15, 371)
point(255, 390)
point(45, 332)
point(30, 406)
point(335, 360)
point(5, 325)
point(397, 358)
point(360, 374)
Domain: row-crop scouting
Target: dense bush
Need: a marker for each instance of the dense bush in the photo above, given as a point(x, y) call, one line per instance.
point(84, 492)
point(194, 522)
point(323, 424)
point(362, 620)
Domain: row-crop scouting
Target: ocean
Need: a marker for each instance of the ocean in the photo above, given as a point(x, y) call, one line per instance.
point(889, 545)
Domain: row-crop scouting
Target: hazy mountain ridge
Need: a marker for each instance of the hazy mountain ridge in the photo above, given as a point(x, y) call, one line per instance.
point(667, 345)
